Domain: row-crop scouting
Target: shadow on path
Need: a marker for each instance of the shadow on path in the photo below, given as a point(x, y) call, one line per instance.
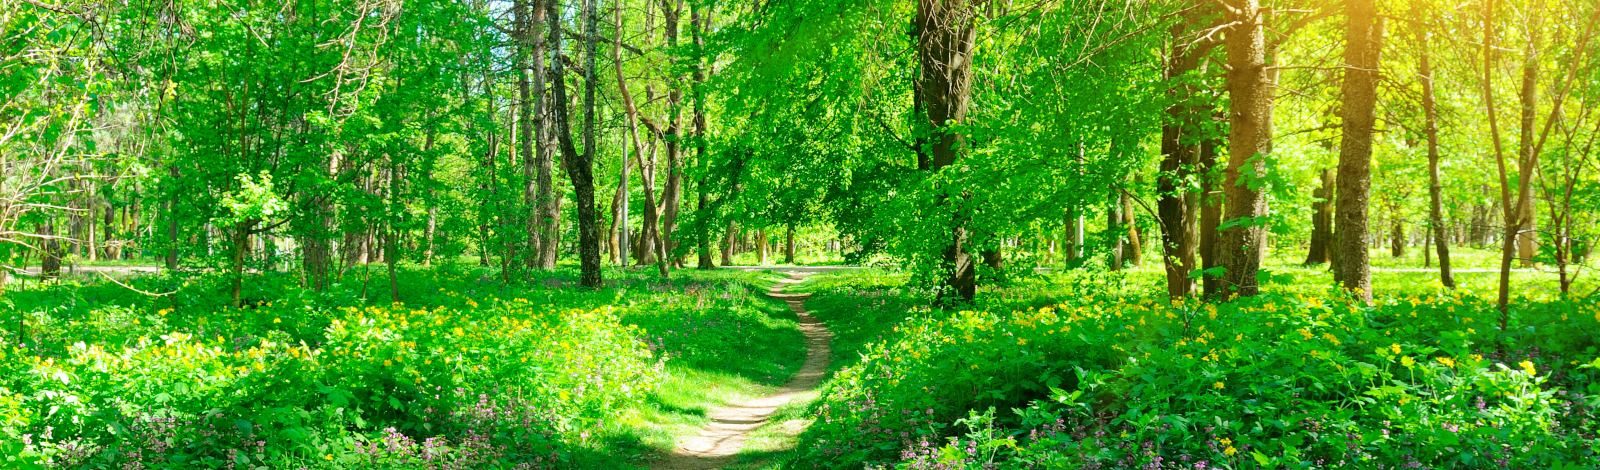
point(718, 442)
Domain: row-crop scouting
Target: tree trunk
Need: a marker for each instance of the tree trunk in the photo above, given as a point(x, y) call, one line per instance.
point(945, 35)
point(1321, 221)
point(1133, 250)
point(1527, 151)
point(241, 245)
point(1499, 152)
point(1363, 48)
point(1250, 92)
point(730, 243)
point(50, 260)
point(1114, 231)
point(1397, 237)
point(1210, 202)
point(579, 167)
point(672, 195)
point(788, 246)
point(698, 22)
point(761, 246)
point(1430, 127)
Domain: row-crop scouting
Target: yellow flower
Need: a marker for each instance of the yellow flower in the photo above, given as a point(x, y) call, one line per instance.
point(1230, 451)
point(1448, 362)
point(328, 457)
point(1528, 367)
point(275, 320)
point(1225, 441)
point(1407, 361)
point(387, 363)
point(1218, 385)
point(1395, 348)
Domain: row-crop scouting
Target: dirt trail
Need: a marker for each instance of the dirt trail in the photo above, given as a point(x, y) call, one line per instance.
point(720, 440)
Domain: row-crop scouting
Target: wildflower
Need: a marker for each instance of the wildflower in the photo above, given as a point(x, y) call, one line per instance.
point(1448, 362)
point(1395, 348)
point(1230, 451)
point(1218, 385)
point(1528, 367)
point(1407, 361)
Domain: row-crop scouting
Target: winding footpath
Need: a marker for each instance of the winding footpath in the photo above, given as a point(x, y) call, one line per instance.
point(719, 442)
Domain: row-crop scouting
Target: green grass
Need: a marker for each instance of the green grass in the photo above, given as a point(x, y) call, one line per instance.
point(718, 339)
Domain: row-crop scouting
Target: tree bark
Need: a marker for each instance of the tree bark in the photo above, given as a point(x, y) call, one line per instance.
point(1363, 48)
point(50, 260)
point(730, 243)
point(945, 35)
point(241, 245)
point(1430, 127)
point(698, 21)
point(579, 167)
point(1321, 222)
point(1133, 250)
point(1528, 158)
point(1397, 237)
point(788, 246)
point(1509, 211)
point(761, 246)
point(1210, 202)
point(672, 195)
point(1114, 230)
point(1250, 91)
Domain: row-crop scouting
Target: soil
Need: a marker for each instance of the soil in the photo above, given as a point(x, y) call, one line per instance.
point(718, 442)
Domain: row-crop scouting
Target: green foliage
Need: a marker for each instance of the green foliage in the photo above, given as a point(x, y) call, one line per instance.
point(468, 373)
point(1290, 381)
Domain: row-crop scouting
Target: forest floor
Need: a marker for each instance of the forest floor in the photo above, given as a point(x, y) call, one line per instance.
point(719, 443)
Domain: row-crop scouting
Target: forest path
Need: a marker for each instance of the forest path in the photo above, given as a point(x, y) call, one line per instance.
point(718, 442)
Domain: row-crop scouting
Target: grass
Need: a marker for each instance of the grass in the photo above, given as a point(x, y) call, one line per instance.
point(721, 339)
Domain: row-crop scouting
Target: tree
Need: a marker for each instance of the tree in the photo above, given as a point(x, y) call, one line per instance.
point(1363, 48)
point(945, 33)
point(1250, 89)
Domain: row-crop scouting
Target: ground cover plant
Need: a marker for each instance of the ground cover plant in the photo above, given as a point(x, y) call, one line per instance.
point(470, 374)
point(1097, 376)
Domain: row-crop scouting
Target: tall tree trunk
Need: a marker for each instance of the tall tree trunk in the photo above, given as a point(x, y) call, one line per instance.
point(1508, 209)
point(579, 167)
point(1363, 47)
point(1210, 202)
point(672, 195)
point(1250, 92)
point(650, 245)
point(522, 34)
point(1430, 127)
point(539, 145)
point(1527, 151)
point(698, 21)
point(945, 35)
